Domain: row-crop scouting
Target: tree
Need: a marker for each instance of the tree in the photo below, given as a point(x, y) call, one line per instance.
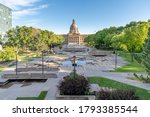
point(103, 38)
point(90, 41)
point(12, 40)
point(134, 37)
point(1, 40)
point(146, 54)
point(7, 54)
point(29, 38)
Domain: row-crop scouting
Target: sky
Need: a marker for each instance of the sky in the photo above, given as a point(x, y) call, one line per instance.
point(90, 15)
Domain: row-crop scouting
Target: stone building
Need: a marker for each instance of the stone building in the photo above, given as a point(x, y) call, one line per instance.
point(74, 37)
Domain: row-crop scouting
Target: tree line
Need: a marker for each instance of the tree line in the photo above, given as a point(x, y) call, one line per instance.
point(29, 38)
point(130, 38)
point(23, 39)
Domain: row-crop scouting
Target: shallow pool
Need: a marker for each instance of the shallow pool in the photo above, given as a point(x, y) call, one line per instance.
point(69, 63)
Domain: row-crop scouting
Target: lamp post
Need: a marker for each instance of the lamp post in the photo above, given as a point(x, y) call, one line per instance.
point(115, 59)
point(74, 65)
point(16, 62)
point(42, 62)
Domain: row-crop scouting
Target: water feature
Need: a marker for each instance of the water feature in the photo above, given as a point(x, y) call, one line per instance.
point(78, 62)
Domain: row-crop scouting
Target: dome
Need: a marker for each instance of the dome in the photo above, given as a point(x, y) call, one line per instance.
point(73, 27)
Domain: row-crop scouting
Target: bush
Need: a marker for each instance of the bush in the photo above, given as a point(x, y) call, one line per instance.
point(116, 95)
point(146, 55)
point(74, 86)
point(142, 78)
point(7, 54)
point(138, 58)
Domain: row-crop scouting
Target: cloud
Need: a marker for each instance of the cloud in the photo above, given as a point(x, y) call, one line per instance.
point(16, 4)
point(30, 22)
point(22, 8)
point(29, 11)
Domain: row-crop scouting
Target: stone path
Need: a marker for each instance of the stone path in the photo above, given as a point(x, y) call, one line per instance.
point(97, 69)
point(51, 87)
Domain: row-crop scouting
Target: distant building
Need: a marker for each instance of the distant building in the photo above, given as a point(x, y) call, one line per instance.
point(74, 37)
point(5, 19)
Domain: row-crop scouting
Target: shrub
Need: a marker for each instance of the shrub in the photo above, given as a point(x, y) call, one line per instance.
point(146, 55)
point(71, 75)
point(74, 86)
point(142, 78)
point(7, 54)
point(116, 95)
point(138, 58)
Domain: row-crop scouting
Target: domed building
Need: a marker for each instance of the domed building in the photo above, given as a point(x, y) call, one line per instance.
point(74, 37)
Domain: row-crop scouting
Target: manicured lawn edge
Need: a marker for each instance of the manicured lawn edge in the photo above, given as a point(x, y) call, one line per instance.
point(40, 97)
point(104, 82)
point(1, 69)
point(131, 66)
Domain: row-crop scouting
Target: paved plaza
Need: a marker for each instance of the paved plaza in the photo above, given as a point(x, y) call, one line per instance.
point(95, 66)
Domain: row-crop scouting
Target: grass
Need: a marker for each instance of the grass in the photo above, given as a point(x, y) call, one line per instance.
point(27, 60)
point(104, 82)
point(1, 69)
point(141, 78)
point(24, 55)
point(131, 66)
point(134, 78)
point(40, 97)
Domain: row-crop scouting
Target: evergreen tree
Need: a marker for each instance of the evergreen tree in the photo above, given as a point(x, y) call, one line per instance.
point(146, 54)
point(0, 39)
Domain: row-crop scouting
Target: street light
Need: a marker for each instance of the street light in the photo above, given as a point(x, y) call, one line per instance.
point(42, 62)
point(115, 59)
point(16, 62)
point(74, 65)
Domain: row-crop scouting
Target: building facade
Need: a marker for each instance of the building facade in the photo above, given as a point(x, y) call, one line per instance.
point(5, 19)
point(74, 37)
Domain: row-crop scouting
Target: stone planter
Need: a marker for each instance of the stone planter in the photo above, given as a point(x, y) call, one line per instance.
point(74, 97)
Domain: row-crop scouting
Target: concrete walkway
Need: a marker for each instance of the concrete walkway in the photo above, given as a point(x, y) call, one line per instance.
point(97, 69)
point(123, 78)
point(51, 87)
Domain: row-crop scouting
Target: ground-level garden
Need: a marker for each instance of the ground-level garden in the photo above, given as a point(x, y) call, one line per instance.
point(122, 91)
point(132, 66)
point(104, 82)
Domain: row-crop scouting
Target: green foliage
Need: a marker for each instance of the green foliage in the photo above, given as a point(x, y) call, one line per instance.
point(71, 86)
point(40, 97)
point(131, 66)
point(103, 38)
point(130, 38)
point(146, 55)
point(71, 75)
point(142, 78)
point(7, 54)
point(138, 58)
point(0, 39)
point(29, 38)
point(133, 38)
point(108, 94)
point(90, 41)
point(1, 69)
point(105, 82)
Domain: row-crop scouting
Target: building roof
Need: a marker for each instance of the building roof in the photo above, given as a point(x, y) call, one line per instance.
point(74, 28)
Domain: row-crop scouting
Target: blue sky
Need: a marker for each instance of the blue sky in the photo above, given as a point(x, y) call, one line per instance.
point(90, 15)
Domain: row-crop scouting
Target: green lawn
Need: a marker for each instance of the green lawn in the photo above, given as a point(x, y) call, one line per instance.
point(40, 97)
point(27, 60)
point(104, 82)
point(1, 69)
point(131, 67)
